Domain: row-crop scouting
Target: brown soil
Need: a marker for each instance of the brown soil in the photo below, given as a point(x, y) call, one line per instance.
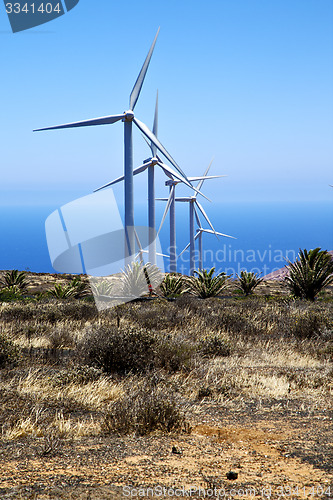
point(272, 445)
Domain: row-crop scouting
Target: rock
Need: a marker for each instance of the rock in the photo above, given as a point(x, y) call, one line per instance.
point(232, 475)
point(176, 451)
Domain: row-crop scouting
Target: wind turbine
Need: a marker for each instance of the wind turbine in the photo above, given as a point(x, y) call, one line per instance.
point(170, 206)
point(150, 164)
point(198, 237)
point(128, 118)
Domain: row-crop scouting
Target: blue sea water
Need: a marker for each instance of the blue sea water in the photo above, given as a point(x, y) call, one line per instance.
point(266, 233)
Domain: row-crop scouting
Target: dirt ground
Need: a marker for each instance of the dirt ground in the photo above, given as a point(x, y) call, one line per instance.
point(280, 448)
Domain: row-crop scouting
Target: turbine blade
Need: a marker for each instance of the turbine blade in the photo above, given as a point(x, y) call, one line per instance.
point(145, 130)
point(217, 232)
point(184, 250)
point(159, 254)
point(206, 217)
point(136, 171)
point(139, 81)
point(155, 126)
point(169, 171)
point(206, 177)
point(200, 183)
point(149, 144)
point(104, 120)
point(169, 201)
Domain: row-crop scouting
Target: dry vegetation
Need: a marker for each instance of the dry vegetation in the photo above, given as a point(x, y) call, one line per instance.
point(165, 393)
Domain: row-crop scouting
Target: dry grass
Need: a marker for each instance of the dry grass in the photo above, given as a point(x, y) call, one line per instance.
point(215, 351)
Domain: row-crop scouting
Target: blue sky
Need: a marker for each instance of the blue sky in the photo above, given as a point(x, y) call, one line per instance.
point(248, 82)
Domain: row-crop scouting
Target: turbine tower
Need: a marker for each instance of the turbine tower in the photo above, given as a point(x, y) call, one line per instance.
point(128, 118)
point(170, 206)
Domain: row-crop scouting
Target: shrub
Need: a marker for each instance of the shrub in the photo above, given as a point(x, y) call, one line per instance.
point(311, 273)
point(118, 350)
point(206, 285)
point(145, 410)
point(215, 345)
point(10, 293)
point(135, 350)
point(306, 325)
point(9, 352)
point(247, 282)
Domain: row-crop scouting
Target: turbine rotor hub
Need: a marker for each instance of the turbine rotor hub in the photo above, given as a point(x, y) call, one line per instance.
point(129, 115)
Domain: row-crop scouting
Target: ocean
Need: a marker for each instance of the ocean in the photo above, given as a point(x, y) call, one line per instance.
point(267, 234)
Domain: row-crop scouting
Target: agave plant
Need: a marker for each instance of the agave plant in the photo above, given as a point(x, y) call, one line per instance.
point(103, 287)
point(79, 287)
point(173, 285)
point(310, 273)
point(15, 280)
point(139, 279)
point(247, 282)
point(62, 292)
point(76, 288)
point(206, 285)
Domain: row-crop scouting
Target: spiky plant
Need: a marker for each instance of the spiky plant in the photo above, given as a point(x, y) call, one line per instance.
point(80, 288)
point(15, 279)
point(310, 273)
point(103, 287)
point(205, 284)
point(139, 279)
point(173, 285)
point(247, 282)
point(61, 292)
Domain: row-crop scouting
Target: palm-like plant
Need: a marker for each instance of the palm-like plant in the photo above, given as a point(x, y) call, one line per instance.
point(15, 280)
point(80, 288)
point(205, 284)
point(62, 292)
point(76, 289)
point(173, 285)
point(311, 273)
point(247, 282)
point(139, 279)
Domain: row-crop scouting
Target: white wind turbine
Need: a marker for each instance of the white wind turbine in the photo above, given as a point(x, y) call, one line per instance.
point(128, 118)
point(200, 230)
point(150, 165)
point(170, 206)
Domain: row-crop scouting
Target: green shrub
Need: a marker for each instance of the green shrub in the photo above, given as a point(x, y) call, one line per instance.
point(311, 273)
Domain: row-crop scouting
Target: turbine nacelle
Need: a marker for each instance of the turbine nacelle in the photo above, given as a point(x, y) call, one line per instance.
point(128, 116)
